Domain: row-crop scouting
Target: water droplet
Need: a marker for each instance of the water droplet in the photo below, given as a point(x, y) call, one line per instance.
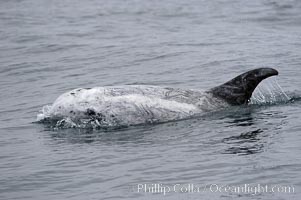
point(269, 91)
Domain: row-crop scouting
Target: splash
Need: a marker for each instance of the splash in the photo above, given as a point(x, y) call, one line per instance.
point(46, 118)
point(269, 92)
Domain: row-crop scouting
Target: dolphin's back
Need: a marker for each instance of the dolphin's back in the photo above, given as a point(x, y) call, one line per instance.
point(129, 105)
point(137, 104)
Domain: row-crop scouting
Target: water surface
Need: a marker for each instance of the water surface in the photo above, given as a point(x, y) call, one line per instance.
point(50, 47)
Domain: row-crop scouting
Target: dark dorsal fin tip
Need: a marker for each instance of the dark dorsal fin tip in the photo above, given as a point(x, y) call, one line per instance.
point(239, 90)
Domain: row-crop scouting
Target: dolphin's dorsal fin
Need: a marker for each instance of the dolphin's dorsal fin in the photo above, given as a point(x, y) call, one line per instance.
point(239, 90)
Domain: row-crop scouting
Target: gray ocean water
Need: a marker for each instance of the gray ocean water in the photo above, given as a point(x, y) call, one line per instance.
point(50, 47)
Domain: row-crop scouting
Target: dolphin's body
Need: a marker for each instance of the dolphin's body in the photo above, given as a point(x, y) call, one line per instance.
point(140, 104)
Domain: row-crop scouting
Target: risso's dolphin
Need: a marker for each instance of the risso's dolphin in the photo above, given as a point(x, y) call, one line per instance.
point(141, 104)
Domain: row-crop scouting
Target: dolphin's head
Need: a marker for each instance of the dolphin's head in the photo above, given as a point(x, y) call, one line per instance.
point(239, 90)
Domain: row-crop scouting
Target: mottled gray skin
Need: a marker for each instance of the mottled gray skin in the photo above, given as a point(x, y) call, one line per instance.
point(140, 104)
point(239, 90)
point(131, 105)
